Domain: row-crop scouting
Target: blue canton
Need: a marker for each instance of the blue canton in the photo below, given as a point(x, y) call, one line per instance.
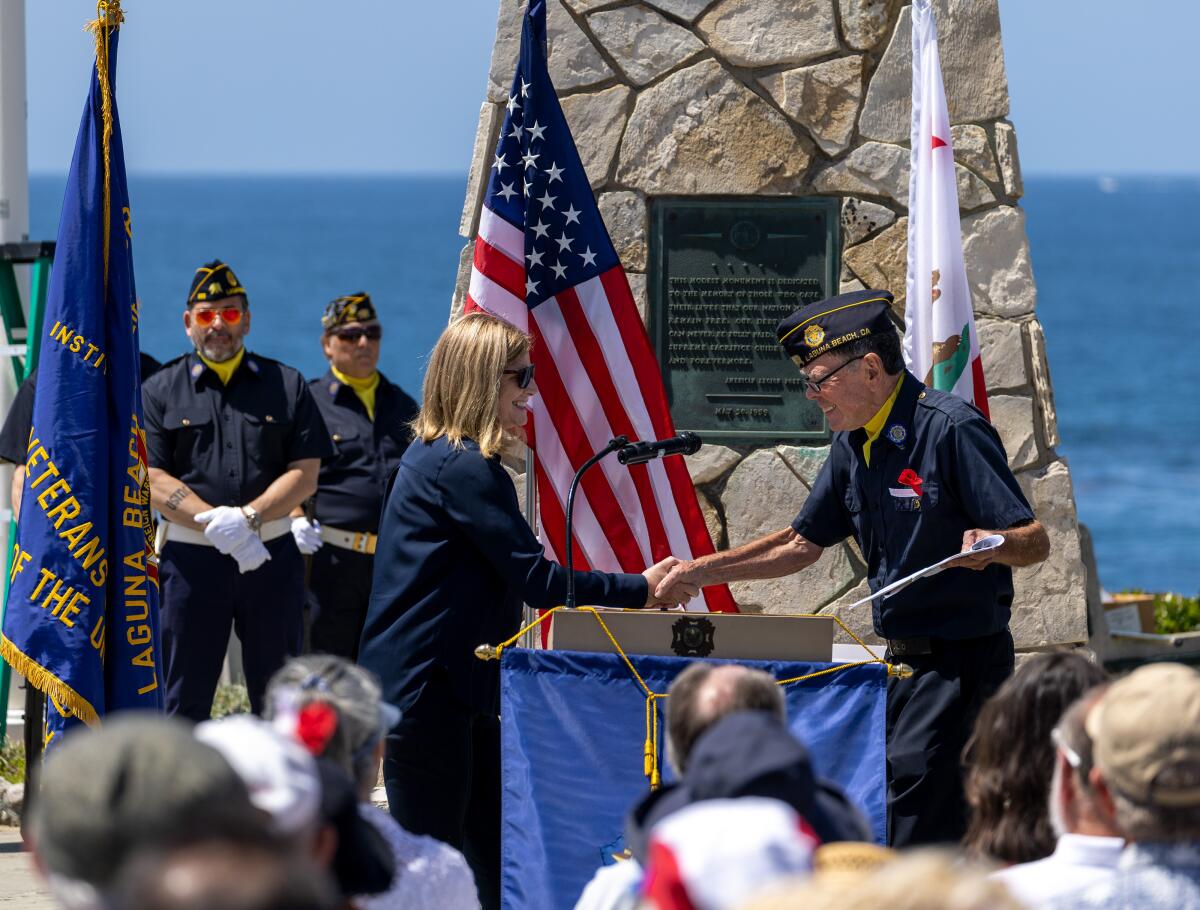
point(538, 183)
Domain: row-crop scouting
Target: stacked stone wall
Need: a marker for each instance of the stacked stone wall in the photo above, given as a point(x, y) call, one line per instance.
point(804, 98)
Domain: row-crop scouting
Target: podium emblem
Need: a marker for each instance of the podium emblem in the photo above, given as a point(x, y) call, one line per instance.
point(692, 636)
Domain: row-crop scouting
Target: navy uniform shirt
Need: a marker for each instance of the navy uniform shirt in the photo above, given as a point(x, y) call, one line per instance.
point(228, 443)
point(14, 436)
point(454, 562)
point(353, 481)
point(965, 483)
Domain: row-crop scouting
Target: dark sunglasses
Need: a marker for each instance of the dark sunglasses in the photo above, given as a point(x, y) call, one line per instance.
point(230, 315)
point(814, 385)
point(524, 376)
point(354, 334)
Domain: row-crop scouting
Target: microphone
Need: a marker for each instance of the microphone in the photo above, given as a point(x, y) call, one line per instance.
point(641, 452)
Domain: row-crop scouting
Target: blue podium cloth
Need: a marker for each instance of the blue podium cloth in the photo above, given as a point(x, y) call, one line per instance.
point(573, 726)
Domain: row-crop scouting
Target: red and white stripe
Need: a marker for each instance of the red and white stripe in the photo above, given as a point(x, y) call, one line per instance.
point(597, 378)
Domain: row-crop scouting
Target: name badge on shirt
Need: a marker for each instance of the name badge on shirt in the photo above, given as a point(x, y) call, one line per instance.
point(905, 499)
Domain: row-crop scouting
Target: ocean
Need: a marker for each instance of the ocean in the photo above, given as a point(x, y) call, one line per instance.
point(1117, 264)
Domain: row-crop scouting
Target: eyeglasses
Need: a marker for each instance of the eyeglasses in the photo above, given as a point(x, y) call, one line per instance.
point(1074, 759)
point(230, 315)
point(524, 376)
point(814, 385)
point(356, 333)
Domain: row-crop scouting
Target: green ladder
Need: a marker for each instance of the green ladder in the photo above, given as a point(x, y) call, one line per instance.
point(22, 345)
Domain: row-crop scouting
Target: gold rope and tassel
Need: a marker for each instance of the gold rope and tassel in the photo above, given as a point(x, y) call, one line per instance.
point(108, 19)
point(652, 747)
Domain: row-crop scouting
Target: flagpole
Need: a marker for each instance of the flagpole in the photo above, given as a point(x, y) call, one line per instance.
point(14, 228)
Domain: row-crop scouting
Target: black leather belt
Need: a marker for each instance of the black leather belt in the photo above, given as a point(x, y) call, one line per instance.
point(909, 647)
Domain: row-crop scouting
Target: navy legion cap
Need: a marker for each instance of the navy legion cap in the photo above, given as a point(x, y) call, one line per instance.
point(821, 327)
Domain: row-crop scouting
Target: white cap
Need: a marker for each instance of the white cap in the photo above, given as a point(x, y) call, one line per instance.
point(280, 775)
point(721, 852)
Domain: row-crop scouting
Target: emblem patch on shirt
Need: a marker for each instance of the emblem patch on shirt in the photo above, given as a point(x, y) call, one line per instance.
point(814, 335)
point(897, 434)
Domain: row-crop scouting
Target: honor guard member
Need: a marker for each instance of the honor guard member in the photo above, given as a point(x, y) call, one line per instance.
point(235, 442)
point(913, 475)
point(368, 418)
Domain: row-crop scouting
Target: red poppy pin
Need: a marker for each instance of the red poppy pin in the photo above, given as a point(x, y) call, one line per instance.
point(315, 726)
point(908, 478)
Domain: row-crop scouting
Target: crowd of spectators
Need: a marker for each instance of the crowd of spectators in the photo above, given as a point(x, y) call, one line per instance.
point(1084, 792)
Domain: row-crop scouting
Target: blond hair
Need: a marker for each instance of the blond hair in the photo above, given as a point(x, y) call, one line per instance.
point(918, 880)
point(462, 382)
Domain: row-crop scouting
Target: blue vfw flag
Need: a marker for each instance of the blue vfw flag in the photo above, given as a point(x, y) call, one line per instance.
point(82, 617)
point(572, 734)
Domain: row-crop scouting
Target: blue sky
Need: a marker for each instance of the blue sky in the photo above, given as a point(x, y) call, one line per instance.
point(256, 86)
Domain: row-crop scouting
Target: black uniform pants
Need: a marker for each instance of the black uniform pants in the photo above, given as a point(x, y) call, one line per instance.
point(203, 597)
point(339, 584)
point(442, 772)
point(929, 719)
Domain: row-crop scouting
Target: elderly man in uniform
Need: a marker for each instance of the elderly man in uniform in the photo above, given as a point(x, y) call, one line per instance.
point(235, 442)
point(913, 475)
point(368, 418)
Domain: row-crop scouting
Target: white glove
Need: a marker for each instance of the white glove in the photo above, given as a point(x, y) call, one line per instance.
point(307, 535)
point(225, 527)
point(250, 554)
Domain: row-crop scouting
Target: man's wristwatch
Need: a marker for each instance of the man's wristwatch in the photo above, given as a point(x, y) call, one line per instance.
point(253, 519)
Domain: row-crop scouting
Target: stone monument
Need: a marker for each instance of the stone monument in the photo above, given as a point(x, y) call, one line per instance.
point(809, 99)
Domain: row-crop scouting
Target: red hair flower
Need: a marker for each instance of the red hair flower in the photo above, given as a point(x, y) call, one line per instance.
point(315, 726)
point(908, 478)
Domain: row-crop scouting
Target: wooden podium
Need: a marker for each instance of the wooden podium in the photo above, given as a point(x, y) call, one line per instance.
point(670, 633)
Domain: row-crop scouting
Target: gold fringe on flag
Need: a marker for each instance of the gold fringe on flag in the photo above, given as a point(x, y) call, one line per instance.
point(45, 681)
point(108, 19)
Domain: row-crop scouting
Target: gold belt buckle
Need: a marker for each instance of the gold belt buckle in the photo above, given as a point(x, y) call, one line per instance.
point(361, 539)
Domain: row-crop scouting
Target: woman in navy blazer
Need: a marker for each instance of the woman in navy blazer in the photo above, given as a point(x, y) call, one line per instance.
point(454, 563)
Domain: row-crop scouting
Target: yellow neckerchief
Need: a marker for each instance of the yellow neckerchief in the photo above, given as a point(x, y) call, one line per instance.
point(363, 388)
point(224, 370)
point(875, 425)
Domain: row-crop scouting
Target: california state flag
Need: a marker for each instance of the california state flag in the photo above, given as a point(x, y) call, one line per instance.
point(941, 346)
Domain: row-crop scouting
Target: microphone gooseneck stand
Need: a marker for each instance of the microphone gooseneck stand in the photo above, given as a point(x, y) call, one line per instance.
point(627, 454)
point(613, 444)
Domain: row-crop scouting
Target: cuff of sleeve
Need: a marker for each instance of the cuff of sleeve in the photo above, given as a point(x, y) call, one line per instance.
point(806, 529)
point(634, 590)
point(1013, 518)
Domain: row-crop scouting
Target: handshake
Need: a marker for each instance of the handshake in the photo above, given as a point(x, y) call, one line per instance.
point(664, 587)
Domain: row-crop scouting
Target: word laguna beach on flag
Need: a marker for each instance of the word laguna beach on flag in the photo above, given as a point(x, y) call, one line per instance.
point(544, 262)
point(941, 346)
point(82, 617)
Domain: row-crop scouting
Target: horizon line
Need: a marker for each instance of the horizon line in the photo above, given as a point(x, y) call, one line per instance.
point(375, 175)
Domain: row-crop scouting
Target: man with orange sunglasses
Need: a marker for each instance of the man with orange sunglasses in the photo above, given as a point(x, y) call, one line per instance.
point(235, 442)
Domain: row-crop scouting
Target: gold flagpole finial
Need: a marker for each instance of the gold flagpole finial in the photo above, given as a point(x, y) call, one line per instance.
point(109, 17)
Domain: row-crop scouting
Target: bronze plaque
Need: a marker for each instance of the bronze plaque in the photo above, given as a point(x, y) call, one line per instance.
point(723, 272)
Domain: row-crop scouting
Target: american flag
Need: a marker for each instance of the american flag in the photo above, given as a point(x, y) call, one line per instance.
point(544, 262)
